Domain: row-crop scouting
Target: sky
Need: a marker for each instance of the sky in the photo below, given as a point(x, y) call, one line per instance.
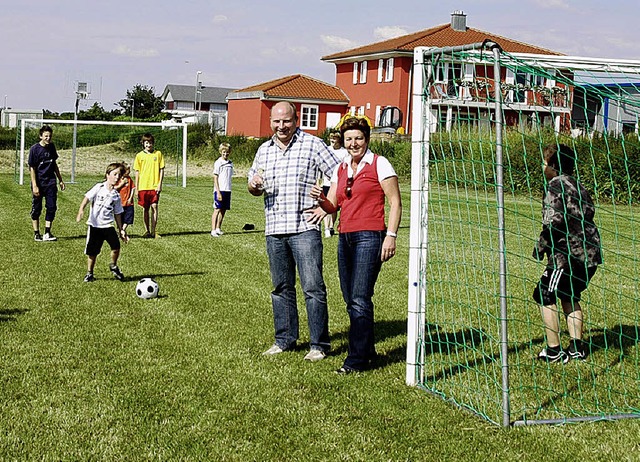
point(49, 46)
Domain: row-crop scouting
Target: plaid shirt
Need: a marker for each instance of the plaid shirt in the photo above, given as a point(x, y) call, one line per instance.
point(288, 177)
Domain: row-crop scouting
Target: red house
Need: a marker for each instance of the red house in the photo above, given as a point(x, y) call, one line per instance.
point(319, 105)
point(380, 74)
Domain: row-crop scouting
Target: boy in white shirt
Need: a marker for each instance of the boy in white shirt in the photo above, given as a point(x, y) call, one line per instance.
point(222, 173)
point(106, 207)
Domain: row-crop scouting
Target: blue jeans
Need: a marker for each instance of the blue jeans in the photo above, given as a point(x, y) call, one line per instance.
point(358, 266)
point(304, 251)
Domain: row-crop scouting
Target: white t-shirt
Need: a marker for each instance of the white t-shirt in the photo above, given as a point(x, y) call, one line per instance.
point(105, 204)
point(224, 170)
point(384, 167)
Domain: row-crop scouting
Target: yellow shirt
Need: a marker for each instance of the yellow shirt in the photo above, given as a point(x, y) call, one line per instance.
point(148, 166)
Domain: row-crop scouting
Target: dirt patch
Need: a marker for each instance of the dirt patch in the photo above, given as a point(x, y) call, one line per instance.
point(94, 160)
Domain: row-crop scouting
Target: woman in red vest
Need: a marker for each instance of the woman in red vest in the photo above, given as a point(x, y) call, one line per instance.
point(359, 186)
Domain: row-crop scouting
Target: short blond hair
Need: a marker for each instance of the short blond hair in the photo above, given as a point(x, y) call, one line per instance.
point(226, 146)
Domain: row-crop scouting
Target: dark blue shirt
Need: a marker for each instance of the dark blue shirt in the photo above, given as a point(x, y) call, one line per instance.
point(43, 160)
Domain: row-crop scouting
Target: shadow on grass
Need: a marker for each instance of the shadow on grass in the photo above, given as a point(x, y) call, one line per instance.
point(162, 275)
point(10, 314)
point(383, 330)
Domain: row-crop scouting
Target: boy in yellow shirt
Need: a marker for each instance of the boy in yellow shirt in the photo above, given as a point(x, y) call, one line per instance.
point(149, 167)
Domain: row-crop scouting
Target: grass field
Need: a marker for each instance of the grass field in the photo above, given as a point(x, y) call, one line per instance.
point(91, 372)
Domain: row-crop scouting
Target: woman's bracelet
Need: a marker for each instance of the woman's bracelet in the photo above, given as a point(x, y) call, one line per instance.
point(392, 234)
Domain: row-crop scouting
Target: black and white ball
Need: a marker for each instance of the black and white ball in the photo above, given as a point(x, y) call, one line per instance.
point(147, 288)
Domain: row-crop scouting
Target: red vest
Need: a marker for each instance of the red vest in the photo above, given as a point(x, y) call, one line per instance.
point(364, 211)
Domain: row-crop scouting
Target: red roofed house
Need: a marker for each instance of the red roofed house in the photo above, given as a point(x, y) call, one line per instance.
point(378, 75)
point(319, 105)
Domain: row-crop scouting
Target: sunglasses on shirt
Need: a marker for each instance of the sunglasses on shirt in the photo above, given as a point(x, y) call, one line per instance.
point(347, 188)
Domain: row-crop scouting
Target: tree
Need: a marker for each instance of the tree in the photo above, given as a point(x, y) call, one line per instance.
point(143, 101)
point(95, 112)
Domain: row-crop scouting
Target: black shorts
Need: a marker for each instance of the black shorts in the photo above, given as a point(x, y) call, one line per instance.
point(97, 236)
point(567, 285)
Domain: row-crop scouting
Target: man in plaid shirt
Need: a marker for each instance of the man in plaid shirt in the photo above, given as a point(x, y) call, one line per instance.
point(284, 170)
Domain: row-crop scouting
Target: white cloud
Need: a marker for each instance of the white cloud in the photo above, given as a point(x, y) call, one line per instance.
point(219, 18)
point(337, 43)
point(389, 32)
point(553, 4)
point(298, 50)
point(124, 50)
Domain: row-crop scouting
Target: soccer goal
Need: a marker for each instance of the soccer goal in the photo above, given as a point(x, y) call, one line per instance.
point(85, 148)
point(481, 118)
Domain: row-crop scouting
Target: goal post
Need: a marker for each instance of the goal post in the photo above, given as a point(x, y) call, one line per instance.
point(121, 138)
point(481, 119)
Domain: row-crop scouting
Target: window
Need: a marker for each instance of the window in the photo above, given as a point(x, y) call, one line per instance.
point(388, 72)
point(359, 72)
point(385, 70)
point(363, 72)
point(309, 117)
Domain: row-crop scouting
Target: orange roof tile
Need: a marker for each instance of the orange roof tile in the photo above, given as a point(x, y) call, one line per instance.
point(300, 87)
point(440, 36)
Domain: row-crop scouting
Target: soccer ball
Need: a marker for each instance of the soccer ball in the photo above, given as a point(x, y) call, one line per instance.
point(147, 288)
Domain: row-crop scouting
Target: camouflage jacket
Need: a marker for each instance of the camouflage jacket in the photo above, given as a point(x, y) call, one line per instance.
point(568, 229)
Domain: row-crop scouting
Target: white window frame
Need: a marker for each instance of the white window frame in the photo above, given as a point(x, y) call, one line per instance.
point(363, 72)
point(380, 69)
point(355, 72)
point(388, 70)
point(309, 113)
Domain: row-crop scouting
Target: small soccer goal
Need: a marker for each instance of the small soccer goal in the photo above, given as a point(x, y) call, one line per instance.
point(481, 118)
point(85, 148)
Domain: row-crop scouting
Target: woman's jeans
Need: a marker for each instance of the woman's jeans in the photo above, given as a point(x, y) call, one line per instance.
point(304, 251)
point(358, 266)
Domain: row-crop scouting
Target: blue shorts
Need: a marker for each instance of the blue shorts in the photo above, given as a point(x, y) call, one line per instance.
point(50, 196)
point(225, 203)
point(127, 214)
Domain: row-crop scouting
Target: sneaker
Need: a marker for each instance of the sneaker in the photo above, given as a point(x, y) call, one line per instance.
point(37, 237)
point(219, 231)
point(344, 370)
point(49, 237)
point(315, 355)
point(146, 235)
point(215, 233)
point(116, 272)
point(274, 350)
point(89, 278)
point(552, 355)
point(575, 351)
point(155, 236)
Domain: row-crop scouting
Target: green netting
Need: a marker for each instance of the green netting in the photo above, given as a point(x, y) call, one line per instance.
point(459, 348)
point(100, 143)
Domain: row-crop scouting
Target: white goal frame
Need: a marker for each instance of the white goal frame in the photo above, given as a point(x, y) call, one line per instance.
point(172, 125)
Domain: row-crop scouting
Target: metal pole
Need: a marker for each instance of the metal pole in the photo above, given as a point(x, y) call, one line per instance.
point(504, 341)
point(75, 138)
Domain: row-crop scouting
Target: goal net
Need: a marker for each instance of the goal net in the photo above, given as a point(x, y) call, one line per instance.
point(85, 148)
point(480, 121)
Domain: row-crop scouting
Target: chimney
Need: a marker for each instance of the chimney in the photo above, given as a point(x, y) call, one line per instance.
point(459, 21)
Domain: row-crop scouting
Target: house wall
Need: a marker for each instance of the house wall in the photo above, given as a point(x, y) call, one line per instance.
point(247, 117)
point(373, 93)
point(250, 117)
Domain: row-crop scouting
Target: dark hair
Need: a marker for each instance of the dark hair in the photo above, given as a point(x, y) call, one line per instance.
point(561, 157)
point(356, 123)
point(46, 128)
point(148, 137)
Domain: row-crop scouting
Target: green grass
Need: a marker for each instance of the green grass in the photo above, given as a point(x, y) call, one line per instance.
point(91, 372)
